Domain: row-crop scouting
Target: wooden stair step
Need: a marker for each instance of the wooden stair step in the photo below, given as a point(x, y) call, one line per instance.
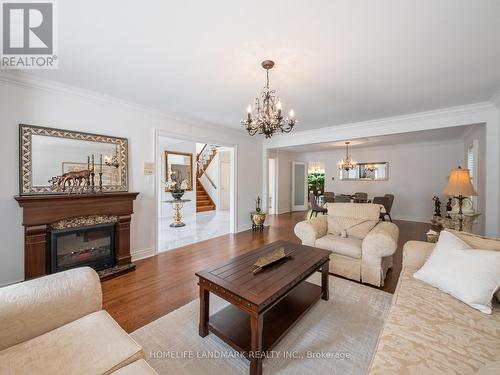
point(205, 208)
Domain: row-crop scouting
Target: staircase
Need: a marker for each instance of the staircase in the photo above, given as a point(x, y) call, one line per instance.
point(203, 160)
point(203, 200)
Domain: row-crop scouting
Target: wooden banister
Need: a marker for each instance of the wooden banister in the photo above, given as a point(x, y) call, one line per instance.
point(211, 182)
point(201, 168)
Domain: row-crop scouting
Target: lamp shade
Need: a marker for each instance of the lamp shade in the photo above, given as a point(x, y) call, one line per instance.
point(459, 184)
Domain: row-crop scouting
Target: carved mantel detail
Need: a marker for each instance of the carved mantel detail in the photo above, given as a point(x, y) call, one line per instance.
point(83, 221)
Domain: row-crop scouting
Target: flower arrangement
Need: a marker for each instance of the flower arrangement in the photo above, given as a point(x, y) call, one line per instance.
point(176, 184)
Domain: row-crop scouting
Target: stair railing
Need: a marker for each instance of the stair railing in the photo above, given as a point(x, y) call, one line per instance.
point(204, 158)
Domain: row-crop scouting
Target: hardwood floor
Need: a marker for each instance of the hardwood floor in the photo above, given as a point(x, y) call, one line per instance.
point(165, 282)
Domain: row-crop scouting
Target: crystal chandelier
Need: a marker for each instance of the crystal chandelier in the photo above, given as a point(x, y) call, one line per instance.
point(112, 160)
point(347, 163)
point(268, 112)
point(371, 167)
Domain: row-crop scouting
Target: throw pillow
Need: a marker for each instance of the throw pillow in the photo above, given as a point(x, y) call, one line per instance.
point(470, 275)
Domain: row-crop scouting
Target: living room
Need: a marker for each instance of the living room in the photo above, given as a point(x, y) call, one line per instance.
point(111, 114)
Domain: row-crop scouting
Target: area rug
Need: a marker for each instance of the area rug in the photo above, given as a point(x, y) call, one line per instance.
point(335, 337)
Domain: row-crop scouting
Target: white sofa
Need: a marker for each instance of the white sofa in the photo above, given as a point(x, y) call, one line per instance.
point(55, 325)
point(431, 332)
point(361, 245)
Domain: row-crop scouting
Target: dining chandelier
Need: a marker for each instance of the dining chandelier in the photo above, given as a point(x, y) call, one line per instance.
point(268, 117)
point(347, 163)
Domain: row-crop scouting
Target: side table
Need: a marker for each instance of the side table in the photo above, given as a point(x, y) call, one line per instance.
point(177, 205)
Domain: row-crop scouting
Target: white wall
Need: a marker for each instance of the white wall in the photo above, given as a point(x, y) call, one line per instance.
point(417, 172)
point(173, 145)
point(48, 104)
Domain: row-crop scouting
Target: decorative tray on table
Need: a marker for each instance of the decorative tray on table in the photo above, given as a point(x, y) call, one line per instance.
point(270, 259)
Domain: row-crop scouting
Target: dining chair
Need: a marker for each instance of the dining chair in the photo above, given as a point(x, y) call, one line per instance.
point(342, 198)
point(315, 207)
point(384, 201)
point(390, 201)
point(360, 197)
point(329, 196)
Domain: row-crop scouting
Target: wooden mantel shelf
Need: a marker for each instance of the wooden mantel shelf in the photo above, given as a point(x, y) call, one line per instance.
point(40, 211)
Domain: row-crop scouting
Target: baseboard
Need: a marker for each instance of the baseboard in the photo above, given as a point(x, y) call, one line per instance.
point(142, 254)
point(285, 211)
point(243, 227)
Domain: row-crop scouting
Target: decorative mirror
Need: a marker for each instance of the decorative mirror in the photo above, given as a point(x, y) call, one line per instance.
point(47, 154)
point(179, 165)
point(367, 172)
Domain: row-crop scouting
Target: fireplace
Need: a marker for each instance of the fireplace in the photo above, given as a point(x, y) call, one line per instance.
point(84, 229)
point(92, 246)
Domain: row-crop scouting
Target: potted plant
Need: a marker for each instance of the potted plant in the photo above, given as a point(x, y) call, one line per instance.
point(176, 184)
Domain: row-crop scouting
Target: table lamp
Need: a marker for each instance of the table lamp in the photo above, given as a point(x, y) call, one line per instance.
point(460, 187)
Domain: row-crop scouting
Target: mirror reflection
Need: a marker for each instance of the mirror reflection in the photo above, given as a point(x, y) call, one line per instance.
point(53, 156)
point(366, 172)
point(180, 164)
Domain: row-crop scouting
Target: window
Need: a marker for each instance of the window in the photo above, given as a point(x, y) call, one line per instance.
point(472, 167)
point(470, 162)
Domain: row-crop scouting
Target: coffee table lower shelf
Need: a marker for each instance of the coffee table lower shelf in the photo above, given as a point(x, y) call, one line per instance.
point(232, 325)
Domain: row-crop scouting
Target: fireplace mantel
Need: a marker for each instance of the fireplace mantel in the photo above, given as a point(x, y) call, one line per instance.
point(40, 211)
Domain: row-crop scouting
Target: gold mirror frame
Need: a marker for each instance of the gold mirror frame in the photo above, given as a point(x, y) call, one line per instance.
point(26, 132)
point(190, 155)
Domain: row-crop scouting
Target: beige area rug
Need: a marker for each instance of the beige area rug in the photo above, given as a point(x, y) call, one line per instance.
point(335, 337)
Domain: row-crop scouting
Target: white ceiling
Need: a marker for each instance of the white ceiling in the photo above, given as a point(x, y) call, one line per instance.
point(436, 135)
point(336, 61)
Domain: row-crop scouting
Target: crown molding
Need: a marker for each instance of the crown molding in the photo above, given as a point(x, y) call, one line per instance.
point(21, 79)
point(375, 147)
point(470, 114)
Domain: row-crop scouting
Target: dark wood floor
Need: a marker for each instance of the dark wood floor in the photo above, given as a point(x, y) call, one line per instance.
point(165, 282)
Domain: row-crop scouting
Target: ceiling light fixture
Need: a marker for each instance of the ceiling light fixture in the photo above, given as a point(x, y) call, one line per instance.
point(347, 163)
point(268, 117)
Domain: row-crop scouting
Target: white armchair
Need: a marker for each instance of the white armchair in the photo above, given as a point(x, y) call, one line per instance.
point(361, 245)
point(55, 325)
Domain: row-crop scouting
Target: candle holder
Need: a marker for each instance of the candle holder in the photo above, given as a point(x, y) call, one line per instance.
point(100, 182)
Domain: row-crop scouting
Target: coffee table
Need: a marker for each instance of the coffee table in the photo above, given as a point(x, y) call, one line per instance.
point(264, 305)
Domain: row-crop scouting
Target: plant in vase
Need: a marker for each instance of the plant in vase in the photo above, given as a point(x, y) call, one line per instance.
point(176, 184)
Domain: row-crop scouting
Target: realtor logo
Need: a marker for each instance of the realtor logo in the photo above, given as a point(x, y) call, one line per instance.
point(28, 35)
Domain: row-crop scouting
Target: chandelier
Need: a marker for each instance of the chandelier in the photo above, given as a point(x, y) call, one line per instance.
point(268, 117)
point(112, 160)
point(371, 167)
point(347, 163)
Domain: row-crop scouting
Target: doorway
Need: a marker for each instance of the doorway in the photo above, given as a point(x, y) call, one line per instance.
point(209, 207)
point(272, 203)
point(299, 186)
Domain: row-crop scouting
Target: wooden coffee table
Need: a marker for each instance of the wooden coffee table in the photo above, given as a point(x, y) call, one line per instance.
point(265, 305)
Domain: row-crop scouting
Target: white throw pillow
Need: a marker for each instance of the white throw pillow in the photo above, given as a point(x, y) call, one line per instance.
point(470, 275)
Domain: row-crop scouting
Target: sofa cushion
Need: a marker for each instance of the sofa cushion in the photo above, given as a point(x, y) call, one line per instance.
point(430, 332)
point(94, 344)
point(477, 242)
point(37, 306)
point(365, 211)
point(350, 247)
point(350, 227)
point(139, 367)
